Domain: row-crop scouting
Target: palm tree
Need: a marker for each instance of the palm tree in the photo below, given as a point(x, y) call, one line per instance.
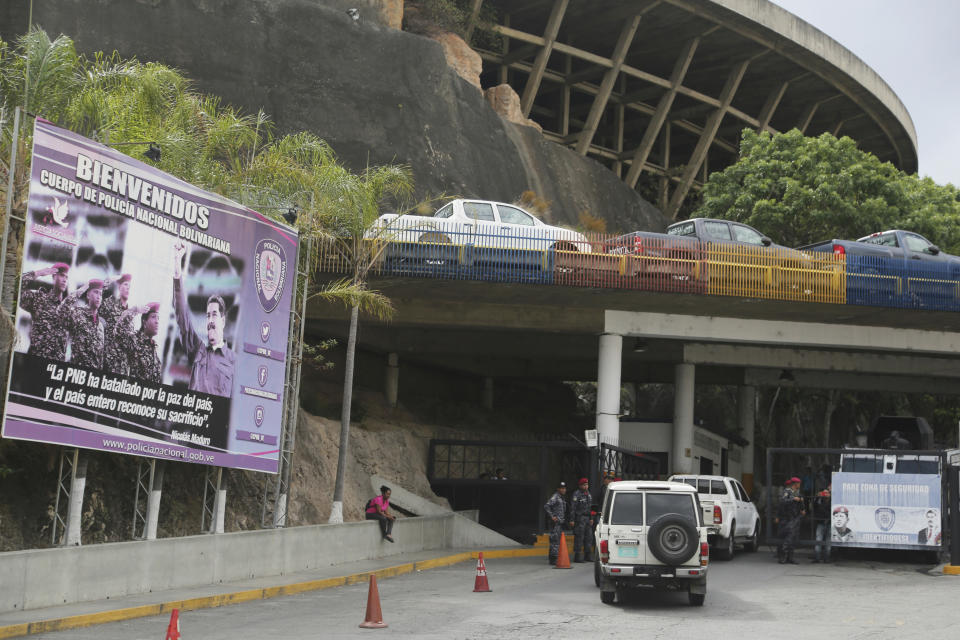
point(349, 209)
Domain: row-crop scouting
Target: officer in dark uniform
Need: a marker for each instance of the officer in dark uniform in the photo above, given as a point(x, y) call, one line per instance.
point(556, 508)
point(48, 338)
point(84, 324)
point(581, 521)
point(789, 513)
point(114, 357)
point(140, 346)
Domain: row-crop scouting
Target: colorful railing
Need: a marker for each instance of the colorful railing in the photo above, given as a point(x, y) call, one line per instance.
point(663, 265)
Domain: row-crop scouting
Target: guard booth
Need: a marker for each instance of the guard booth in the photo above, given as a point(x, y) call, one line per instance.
point(464, 472)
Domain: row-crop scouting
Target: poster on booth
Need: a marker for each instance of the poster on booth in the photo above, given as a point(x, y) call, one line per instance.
point(886, 511)
point(153, 316)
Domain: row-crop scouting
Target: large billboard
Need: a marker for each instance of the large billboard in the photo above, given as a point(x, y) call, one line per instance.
point(153, 316)
point(892, 511)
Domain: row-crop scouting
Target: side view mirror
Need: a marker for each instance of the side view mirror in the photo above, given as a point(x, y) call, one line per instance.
point(766, 241)
point(933, 249)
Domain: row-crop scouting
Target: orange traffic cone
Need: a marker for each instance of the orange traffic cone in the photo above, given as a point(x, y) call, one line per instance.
point(173, 629)
point(481, 584)
point(374, 617)
point(563, 560)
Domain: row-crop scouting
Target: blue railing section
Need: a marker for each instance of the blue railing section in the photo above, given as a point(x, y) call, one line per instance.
point(534, 256)
point(903, 283)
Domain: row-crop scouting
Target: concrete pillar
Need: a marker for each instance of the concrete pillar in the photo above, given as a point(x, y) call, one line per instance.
point(392, 381)
point(78, 482)
point(681, 458)
point(608, 387)
point(153, 502)
point(746, 412)
point(487, 400)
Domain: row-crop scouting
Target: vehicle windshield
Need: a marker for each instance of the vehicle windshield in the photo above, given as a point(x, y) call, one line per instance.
point(628, 507)
point(661, 504)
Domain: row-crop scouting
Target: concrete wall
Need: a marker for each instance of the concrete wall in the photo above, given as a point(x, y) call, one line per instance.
point(49, 577)
point(657, 437)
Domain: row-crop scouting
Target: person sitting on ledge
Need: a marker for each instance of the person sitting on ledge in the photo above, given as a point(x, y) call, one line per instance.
point(378, 508)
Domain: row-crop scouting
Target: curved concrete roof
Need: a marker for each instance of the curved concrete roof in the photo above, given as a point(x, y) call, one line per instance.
point(659, 90)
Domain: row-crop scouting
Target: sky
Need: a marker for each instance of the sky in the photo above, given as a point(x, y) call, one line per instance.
point(915, 48)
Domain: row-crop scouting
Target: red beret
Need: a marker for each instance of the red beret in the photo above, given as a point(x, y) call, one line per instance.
point(95, 284)
point(62, 267)
point(583, 481)
point(792, 480)
point(153, 307)
point(842, 509)
point(124, 278)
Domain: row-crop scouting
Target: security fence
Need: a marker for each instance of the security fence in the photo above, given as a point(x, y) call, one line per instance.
point(659, 263)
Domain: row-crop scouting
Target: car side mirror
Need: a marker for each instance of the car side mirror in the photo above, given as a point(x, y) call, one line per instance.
point(933, 249)
point(766, 241)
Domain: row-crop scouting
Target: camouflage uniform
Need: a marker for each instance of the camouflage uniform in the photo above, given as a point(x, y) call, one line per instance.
point(556, 507)
point(580, 517)
point(115, 357)
point(48, 338)
point(789, 512)
point(140, 349)
point(86, 334)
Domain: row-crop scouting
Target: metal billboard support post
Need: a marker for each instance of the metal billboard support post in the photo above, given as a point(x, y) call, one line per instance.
point(954, 566)
point(71, 481)
point(146, 499)
point(276, 489)
point(214, 501)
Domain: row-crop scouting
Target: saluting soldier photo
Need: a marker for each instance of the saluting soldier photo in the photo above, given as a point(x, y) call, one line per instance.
point(48, 337)
point(84, 324)
point(115, 358)
point(139, 346)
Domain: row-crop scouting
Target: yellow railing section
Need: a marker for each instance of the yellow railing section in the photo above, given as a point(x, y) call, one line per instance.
point(773, 272)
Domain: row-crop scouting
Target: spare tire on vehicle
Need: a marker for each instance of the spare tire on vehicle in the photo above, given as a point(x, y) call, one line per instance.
point(673, 539)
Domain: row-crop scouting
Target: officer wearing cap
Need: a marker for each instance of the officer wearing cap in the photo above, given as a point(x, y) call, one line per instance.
point(115, 358)
point(556, 508)
point(84, 324)
point(841, 518)
point(140, 346)
point(48, 339)
point(580, 520)
point(789, 513)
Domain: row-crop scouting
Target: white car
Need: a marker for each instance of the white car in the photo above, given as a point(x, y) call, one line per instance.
point(728, 511)
point(481, 223)
point(651, 535)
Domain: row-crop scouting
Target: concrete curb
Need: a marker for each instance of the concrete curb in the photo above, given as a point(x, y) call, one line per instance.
point(237, 597)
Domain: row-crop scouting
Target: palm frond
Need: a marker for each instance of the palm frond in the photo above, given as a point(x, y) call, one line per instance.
point(371, 303)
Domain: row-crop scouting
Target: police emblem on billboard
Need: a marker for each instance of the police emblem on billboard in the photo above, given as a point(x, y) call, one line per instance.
point(270, 269)
point(265, 331)
point(885, 517)
point(258, 416)
point(262, 375)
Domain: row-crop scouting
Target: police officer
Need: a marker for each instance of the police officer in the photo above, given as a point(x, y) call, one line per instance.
point(84, 324)
point(115, 357)
point(789, 513)
point(581, 521)
point(556, 508)
point(48, 338)
point(140, 346)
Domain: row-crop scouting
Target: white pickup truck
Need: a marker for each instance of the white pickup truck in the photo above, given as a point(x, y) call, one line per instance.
point(480, 223)
point(727, 511)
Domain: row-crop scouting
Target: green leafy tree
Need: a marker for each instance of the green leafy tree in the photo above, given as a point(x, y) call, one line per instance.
point(800, 190)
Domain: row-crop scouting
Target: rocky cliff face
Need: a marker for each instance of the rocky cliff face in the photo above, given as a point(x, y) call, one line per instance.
point(376, 94)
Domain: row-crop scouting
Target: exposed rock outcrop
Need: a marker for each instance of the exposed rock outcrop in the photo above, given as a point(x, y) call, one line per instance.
point(460, 57)
point(506, 103)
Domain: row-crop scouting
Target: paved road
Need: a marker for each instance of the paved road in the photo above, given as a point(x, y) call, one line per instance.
point(751, 596)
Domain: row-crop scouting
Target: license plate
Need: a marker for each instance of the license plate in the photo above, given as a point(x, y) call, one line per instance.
point(628, 552)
